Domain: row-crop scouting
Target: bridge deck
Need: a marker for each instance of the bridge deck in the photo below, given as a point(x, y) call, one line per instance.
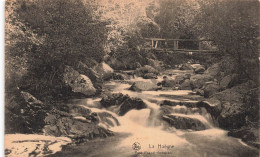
point(172, 45)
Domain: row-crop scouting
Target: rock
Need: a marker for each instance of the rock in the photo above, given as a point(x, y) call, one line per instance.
point(168, 82)
point(26, 114)
point(233, 111)
point(197, 81)
point(180, 78)
point(232, 115)
point(228, 65)
point(155, 63)
point(123, 103)
point(78, 110)
point(199, 91)
point(181, 103)
point(78, 82)
point(236, 93)
point(130, 104)
point(213, 70)
point(107, 119)
point(92, 118)
point(146, 69)
point(104, 70)
point(120, 76)
point(186, 67)
point(210, 89)
point(30, 99)
point(224, 83)
point(184, 122)
point(50, 119)
point(186, 85)
point(148, 85)
point(51, 130)
point(76, 129)
point(228, 81)
point(187, 76)
point(85, 70)
point(199, 70)
point(165, 110)
point(248, 134)
point(194, 66)
point(150, 76)
point(212, 106)
point(135, 88)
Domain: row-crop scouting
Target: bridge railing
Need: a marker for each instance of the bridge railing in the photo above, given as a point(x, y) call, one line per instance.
point(159, 44)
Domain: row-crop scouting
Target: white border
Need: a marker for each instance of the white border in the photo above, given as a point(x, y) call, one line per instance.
point(2, 19)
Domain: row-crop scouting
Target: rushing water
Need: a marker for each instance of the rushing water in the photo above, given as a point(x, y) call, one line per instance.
point(149, 135)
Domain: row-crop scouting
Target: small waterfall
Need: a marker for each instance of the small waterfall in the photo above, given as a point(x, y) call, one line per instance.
point(182, 116)
point(199, 114)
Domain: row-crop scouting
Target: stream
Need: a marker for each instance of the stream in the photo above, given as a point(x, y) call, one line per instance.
point(144, 133)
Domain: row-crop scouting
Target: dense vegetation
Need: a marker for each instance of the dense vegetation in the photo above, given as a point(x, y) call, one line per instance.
point(44, 36)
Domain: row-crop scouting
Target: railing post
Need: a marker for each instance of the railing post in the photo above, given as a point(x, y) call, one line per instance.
point(199, 46)
point(156, 43)
point(174, 44)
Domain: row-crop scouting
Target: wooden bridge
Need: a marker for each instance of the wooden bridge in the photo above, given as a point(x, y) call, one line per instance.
point(180, 45)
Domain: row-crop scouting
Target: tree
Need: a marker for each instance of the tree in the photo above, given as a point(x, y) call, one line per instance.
point(176, 18)
point(49, 35)
point(234, 28)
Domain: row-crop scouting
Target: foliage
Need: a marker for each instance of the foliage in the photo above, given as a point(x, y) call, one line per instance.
point(126, 21)
point(233, 27)
point(45, 35)
point(176, 18)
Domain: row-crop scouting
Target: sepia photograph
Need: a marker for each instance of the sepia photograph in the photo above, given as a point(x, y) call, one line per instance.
point(131, 78)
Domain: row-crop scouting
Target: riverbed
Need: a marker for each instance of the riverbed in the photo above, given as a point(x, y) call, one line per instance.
point(143, 133)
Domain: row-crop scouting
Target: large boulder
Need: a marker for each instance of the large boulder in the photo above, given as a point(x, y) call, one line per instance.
point(76, 128)
point(104, 70)
point(228, 81)
point(229, 65)
point(85, 70)
point(79, 123)
point(78, 82)
point(25, 114)
point(121, 104)
point(232, 115)
point(197, 81)
point(210, 89)
point(249, 134)
point(214, 70)
point(184, 122)
point(84, 113)
point(232, 106)
point(141, 72)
